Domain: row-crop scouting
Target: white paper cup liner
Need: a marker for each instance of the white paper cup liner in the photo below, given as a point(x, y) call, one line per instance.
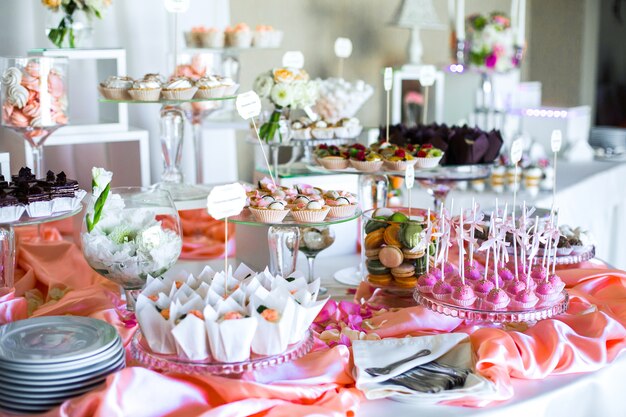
point(268, 216)
point(366, 166)
point(211, 92)
point(464, 303)
point(397, 165)
point(180, 94)
point(115, 93)
point(342, 211)
point(212, 39)
point(241, 39)
point(301, 133)
point(323, 132)
point(334, 163)
point(145, 94)
point(11, 213)
point(231, 90)
point(310, 216)
point(39, 209)
point(426, 163)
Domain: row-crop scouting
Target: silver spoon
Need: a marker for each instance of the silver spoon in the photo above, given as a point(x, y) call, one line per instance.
point(386, 370)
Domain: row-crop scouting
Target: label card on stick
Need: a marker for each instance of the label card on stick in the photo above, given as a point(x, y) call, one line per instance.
point(293, 59)
point(428, 75)
point(516, 151)
point(343, 47)
point(176, 6)
point(409, 176)
point(248, 104)
point(556, 140)
point(226, 200)
point(388, 78)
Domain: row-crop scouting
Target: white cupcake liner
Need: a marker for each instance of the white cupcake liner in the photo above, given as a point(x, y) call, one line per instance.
point(441, 297)
point(212, 39)
point(144, 94)
point(231, 90)
point(427, 163)
point(301, 133)
point(210, 92)
point(342, 211)
point(310, 216)
point(39, 208)
point(464, 303)
point(240, 39)
point(179, 94)
point(499, 306)
point(323, 132)
point(546, 298)
point(334, 163)
point(191, 40)
point(397, 165)
point(348, 132)
point(578, 249)
point(114, 93)
point(366, 166)
point(63, 204)
point(426, 289)
point(10, 214)
point(263, 39)
point(268, 216)
point(525, 305)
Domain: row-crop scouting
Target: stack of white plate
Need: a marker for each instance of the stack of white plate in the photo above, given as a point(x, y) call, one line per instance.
point(46, 360)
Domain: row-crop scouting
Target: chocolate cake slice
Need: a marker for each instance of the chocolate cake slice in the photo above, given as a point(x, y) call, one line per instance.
point(24, 176)
point(64, 187)
point(7, 199)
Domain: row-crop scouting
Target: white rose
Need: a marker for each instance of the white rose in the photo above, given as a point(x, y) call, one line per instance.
point(100, 179)
point(263, 85)
point(151, 238)
point(281, 95)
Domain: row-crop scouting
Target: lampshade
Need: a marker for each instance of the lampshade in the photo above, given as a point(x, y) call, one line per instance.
point(417, 13)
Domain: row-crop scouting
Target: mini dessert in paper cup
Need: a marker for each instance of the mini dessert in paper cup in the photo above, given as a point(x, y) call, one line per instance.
point(341, 203)
point(269, 215)
point(334, 162)
point(397, 165)
point(116, 87)
point(427, 156)
point(10, 208)
point(64, 204)
point(39, 208)
point(145, 94)
point(239, 36)
point(212, 38)
point(300, 130)
point(348, 127)
point(321, 130)
point(230, 331)
point(153, 316)
point(275, 317)
point(230, 86)
point(314, 212)
point(180, 88)
point(209, 87)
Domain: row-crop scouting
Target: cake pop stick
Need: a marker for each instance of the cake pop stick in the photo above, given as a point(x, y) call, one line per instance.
point(388, 83)
point(471, 245)
point(439, 237)
point(534, 245)
point(448, 243)
point(545, 252)
point(523, 233)
point(495, 254)
point(556, 242)
point(503, 231)
point(514, 229)
point(461, 250)
point(547, 272)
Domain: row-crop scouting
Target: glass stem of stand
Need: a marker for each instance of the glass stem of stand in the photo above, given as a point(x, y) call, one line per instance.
point(37, 152)
point(197, 145)
point(131, 299)
point(7, 256)
point(310, 259)
point(172, 134)
point(283, 243)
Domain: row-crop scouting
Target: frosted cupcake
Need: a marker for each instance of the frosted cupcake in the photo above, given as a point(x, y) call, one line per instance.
point(239, 36)
point(116, 88)
point(322, 130)
point(341, 203)
point(209, 87)
point(147, 89)
point(181, 88)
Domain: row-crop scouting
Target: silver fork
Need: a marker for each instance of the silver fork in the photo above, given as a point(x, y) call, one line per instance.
point(386, 370)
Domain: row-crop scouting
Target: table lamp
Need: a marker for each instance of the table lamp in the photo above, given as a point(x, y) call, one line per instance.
point(416, 15)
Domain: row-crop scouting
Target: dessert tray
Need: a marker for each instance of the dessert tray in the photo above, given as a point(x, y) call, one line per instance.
point(246, 218)
point(479, 312)
point(141, 353)
point(26, 220)
point(438, 173)
point(167, 101)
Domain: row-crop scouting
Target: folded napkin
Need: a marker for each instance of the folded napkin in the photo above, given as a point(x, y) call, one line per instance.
point(451, 349)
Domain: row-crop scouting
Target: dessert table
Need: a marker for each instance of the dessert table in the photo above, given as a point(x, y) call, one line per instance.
point(562, 366)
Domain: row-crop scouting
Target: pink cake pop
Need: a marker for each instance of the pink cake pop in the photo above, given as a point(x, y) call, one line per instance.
point(515, 287)
point(525, 299)
point(442, 290)
point(482, 288)
point(497, 299)
point(463, 296)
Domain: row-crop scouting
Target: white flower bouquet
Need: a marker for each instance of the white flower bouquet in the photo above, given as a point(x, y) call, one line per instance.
point(491, 43)
point(284, 88)
point(130, 233)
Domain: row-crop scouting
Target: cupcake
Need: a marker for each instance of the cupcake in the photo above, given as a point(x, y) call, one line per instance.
point(341, 203)
point(180, 88)
point(367, 161)
point(300, 130)
point(428, 156)
point(313, 212)
point(239, 36)
point(209, 87)
point(266, 36)
point(146, 89)
point(563, 247)
point(399, 161)
point(322, 130)
point(274, 212)
point(497, 178)
point(532, 178)
point(116, 88)
point(211, 38)
point(230, 86)
point(331, 157)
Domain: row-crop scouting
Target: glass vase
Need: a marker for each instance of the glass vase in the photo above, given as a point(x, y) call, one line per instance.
point(70, 31)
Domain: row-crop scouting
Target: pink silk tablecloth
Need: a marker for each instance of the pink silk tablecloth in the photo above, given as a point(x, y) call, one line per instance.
point(54, 279)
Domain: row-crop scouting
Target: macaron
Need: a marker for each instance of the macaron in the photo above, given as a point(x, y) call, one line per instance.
point(374, 266)
point(406, 282)
point(372, 253)
point(409, 254)
point(404, 270)
point(379, 279)
point(375, 239)
point(390, 256)
point(392, 235)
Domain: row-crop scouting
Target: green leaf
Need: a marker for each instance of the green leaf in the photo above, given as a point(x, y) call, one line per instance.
point(72, 39)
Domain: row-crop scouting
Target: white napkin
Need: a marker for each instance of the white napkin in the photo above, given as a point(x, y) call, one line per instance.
point(451, 349)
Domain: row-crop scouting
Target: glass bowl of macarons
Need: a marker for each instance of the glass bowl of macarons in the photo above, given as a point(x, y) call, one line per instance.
point(395, 246)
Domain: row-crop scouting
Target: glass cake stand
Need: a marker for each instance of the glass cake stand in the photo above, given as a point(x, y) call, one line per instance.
point(7, 241)
point(172, 122)
point(480, 314)
point(141, 352)
point(284, 239)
